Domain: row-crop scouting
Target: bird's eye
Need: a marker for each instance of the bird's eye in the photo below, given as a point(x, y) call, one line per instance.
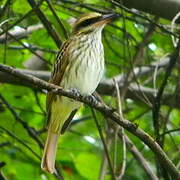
point(87, 22)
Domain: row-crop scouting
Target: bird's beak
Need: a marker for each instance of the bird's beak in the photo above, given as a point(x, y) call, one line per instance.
point(105, 19)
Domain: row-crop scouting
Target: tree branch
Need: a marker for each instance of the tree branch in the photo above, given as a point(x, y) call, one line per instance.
point(51, 31)
point(31, 131)
point(106, 111)
point(106, 87)
point(104, 144)
point(139, 157)
point(20, 33)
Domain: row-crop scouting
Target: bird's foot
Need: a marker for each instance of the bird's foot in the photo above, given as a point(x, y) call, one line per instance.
point(75, 92)
point(91, 99)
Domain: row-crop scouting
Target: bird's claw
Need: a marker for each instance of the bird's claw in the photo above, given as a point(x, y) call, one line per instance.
point(75, 92)
point(91, 99)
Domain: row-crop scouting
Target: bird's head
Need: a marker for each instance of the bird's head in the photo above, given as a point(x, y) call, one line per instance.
point(91, 22)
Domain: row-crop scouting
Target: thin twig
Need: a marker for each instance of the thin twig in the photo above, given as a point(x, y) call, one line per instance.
point(140, 15)
point(38, 102)
point(4, 8)
point(20, 33)
point(20, 141)
point(2, 177)
point(157, 106)
point(52, 32)
point(123, 167)
point(157, 103)
point(139, 157)
point(131, 75)
point(22, 18)
point(104, 144)
point(104, 158)
point(4, 144)
point(57, 19)
point(31, 131)
point(170, 131)
point(33, 47)
point(27, 47)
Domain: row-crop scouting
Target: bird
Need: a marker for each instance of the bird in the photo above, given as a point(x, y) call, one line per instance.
point(79, 66)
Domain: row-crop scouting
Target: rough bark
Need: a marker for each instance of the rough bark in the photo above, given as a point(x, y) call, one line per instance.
point(106, 111)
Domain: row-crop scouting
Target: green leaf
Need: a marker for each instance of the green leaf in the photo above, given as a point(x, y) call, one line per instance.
point(88, 165)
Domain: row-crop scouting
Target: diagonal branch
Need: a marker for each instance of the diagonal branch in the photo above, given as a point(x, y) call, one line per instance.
point(158, 99)
point(52, 32)
point(139, 157)
point(19, 34)
point(31, 131)
point(106, 87)
point(21, 18)
point(20, 141)
point(106, 111)
point(57, 19)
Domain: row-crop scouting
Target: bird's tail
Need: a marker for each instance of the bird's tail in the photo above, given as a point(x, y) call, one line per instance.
point(49, 155)
point(60, 112)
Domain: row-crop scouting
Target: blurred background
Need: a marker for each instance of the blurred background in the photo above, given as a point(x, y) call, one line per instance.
point(142, 61)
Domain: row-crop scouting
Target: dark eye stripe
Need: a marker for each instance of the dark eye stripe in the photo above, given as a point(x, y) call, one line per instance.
point(87, 22)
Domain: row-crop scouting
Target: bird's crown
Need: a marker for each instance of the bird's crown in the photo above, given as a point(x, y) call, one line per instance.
point(90, 21)
point(86, 20)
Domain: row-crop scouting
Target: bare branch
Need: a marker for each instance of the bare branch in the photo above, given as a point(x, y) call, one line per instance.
point(140, 15)
point(57, 19)
point(139, 157)
point(104, 144)
point(121, 129)
point(21, 18)
point(20, 33)
point(106, 87)
point(106, 111)
point(20, 141)
point(31, 131)
point(46, 23)
point(104, 159)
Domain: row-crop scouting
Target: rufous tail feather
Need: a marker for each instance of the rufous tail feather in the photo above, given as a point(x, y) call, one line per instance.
point(49, 154)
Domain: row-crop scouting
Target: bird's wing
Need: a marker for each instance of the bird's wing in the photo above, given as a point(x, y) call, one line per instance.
point(62, 61)
point(68, 121)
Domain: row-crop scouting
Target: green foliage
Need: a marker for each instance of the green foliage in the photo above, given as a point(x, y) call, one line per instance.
point(80, 151)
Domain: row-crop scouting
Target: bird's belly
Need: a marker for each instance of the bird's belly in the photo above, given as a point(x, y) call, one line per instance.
point(84, 75)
